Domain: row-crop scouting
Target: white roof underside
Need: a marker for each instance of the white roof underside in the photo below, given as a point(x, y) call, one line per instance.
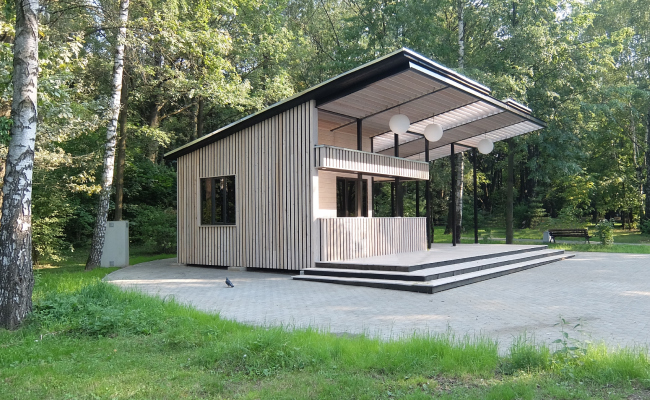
point(466, 116)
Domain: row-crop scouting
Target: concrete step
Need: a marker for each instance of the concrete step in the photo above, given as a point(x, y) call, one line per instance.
point(436, 285)
point(456, 258)
point(428, 274)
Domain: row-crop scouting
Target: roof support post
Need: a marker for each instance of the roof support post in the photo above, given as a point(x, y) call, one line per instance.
point(452, 206)
point(475, 194)
point(427, 196)
point(399, 193)
point(359, 176)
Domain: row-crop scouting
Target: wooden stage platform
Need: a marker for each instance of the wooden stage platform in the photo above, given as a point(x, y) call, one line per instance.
point(441, 268)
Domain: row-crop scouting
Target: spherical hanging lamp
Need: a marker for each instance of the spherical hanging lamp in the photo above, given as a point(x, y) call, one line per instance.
point(399, 123)
point(433, 132)
point(485, 146)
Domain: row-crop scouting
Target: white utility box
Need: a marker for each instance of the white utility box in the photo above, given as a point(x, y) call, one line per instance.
point(546, 238)
point(116, 244)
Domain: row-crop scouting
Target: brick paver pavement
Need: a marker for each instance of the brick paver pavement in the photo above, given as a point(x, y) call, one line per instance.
point(608, 293)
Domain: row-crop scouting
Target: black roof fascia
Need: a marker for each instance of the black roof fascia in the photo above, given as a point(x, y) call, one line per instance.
point(357, 78)
point(440, 69)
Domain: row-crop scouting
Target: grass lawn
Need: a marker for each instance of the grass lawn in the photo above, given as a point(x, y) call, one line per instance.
point(625, 241)
point(89, 339)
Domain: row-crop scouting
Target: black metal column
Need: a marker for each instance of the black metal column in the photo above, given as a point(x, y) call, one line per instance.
point(427, 196)
point(475, 194)
point(399, 194)
point(359, 176)
point(452, 207)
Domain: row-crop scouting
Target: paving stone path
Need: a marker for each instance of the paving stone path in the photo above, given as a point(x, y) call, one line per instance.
point(609, 294)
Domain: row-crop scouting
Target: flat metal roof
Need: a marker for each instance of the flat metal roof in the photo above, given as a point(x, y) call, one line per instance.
point(407, 82)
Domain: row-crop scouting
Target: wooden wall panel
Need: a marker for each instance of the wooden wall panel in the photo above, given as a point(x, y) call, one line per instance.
point(272, 162)
point(335, 158)
point(342, 139)
point(327, 192)
point(346, 238)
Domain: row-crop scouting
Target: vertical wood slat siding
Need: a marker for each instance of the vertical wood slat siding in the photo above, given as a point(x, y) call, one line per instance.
point(370, 163)
point(271, 162)
point(346, 238)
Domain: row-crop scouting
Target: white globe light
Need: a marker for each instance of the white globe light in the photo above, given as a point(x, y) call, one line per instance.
point(433, 132)
point(399, 123)
point(485, 146)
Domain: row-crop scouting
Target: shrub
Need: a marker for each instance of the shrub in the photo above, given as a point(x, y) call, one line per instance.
point(605, 230)
point(525, 355)
point(645, 226)
point(50, 214)
point(155, 227)
point(98, 309)
point(528, 215)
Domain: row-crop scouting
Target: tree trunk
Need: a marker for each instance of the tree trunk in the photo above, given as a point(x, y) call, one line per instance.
point(3, 160)
point(460, 172)
point(460, 165)
point(509, 192)
point(16, 275)
point(154, 122)
point(646, 189)
point(199, 117)
point(121, 152)
point(194, 121)
point(94, 259)
point(461, 34)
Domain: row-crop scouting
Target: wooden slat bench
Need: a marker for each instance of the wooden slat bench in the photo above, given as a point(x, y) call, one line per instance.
point(581, 233)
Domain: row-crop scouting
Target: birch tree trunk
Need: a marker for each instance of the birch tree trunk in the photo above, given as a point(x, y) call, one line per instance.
point(94, 259)
point(16, 275)
point(460, 172)
point(121, 151)
point(647, 167)
point(460, 158)
point(461, 34)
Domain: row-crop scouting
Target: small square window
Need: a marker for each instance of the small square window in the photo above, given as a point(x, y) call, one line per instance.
point(218, 201)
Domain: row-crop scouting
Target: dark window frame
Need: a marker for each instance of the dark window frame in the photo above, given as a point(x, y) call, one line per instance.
point(344, 198)
point(222, 190)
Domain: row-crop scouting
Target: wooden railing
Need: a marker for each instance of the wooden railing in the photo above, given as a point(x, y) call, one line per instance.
point(339, 159)
point(346, 238)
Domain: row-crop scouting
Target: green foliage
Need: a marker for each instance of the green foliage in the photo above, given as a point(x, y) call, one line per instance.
point(154, 227)
point(97, 310)
point(571, 352)
point(5, 130)
point(605, 231)
point(48, 240)
point(581, 66)
point(85, 335)
point(149, 183)
point(645, 226)
point(525, 355)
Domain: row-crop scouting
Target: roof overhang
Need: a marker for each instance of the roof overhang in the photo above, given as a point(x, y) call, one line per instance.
point(407, 82)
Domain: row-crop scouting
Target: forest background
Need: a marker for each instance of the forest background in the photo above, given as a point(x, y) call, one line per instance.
point(192, 66)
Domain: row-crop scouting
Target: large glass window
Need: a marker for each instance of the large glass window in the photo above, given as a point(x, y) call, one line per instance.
point(346, 197)
point(218, 201)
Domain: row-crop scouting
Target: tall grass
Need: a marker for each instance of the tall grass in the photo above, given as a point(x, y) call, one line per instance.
point(87, 338)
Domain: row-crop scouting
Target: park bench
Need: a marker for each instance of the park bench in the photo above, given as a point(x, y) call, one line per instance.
point(580, 233)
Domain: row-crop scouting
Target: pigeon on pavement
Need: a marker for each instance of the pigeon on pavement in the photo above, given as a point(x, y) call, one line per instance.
point(229, 283)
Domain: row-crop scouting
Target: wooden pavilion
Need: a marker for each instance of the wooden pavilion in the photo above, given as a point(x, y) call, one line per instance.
point(278, 188)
